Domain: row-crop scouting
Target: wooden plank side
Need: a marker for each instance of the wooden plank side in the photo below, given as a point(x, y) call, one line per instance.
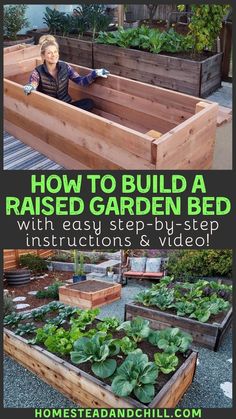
point(76, 50)
point(7, 50)
point(211, 75)
point(38, 144)
point(19, 67)
point(165, 71)
point(21, 55)
point(141, 109)
point(191, 144)
point(100, 136)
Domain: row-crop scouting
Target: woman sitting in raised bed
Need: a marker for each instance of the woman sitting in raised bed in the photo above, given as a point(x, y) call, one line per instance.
point(52, 77)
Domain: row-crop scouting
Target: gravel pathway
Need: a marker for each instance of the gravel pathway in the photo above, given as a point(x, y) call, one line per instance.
point(210, 389)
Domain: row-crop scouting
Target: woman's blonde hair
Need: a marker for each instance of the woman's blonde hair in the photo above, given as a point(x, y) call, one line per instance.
point(47, 41)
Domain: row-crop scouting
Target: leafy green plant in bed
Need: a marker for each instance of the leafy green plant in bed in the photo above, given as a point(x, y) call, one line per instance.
point(42, 333)
point(211, 306)
point(27, 328)
point(137, 329)
point(184, 308)
point(126, 345)
point(84, 318)
point(163, 298)
point(12, 319)
point(108, 323)
point(59, 342)
point(171, 340)
point(166, 362)
point(55, 305)
point(98, 351)
point(144, 297)
point(136, 375)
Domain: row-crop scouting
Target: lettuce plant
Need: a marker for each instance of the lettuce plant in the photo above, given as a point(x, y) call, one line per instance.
point(137, 329)
point(136, 375)
point(59, 342)
point(126, 345)
point(97, 350)
point(166, 362)
point(84, 318)
point(163, 298)
point(108, 323)
point(171, 340)
point(42, 333)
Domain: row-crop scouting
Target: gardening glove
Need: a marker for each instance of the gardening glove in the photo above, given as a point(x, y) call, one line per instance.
point(28, 88)
point(101, 72)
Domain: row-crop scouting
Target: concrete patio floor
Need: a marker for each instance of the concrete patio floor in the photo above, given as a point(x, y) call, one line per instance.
point(18, 156)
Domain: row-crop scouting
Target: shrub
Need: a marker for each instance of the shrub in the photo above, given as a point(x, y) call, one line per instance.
point(51, 292)
point(206, 23)
point(14, 19)
point(33, 262)
point(203, 263)
point(8, 304)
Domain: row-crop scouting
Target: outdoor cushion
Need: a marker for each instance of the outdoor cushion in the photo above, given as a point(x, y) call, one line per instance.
point(152, 274)
point(153, 265)
point(137, 264)
point(130, 273)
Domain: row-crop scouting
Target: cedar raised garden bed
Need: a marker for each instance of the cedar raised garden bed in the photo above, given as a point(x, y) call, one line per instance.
point(133, 125)
point(197, 78)
point(89, 294)
point(205, 334)
point(84, 388)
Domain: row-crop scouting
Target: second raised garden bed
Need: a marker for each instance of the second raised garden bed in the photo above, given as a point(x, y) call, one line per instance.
point(91, 293)
point(197, 78)
point(205, 334)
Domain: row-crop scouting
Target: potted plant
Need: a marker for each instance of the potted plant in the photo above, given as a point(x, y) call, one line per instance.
point(110, 272)
point(79, 274)
point(13, 22)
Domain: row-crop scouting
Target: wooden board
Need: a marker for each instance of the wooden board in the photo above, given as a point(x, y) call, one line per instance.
point(192, 141)
point(86, 390)
point(204, 334)
point(210, 75)
point(75, 50)
point(72, 295)
point(197, 78)
point(21, 54)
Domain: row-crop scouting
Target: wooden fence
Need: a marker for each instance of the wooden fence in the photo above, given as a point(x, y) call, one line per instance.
point(11, 256)
point(140, 11)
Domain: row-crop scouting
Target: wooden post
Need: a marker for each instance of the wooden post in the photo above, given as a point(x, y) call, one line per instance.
point(120, 15)
point(227, 49)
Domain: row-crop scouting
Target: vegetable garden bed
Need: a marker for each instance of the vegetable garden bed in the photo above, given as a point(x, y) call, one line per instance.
point(103, 384)
point(205, 334)
point(90, 293)
point(197, 78)
point(161, 313)
point(133, 125)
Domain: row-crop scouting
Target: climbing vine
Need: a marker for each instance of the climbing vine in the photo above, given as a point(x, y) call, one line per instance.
point(206, 23)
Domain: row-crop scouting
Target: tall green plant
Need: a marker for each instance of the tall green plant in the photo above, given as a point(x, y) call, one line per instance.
point(14, 20)
point(206, 23)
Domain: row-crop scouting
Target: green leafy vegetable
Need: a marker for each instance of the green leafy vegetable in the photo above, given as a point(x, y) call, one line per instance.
point(137, 329)
point(171, 340)
point(166, 362)
point(136, 375)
